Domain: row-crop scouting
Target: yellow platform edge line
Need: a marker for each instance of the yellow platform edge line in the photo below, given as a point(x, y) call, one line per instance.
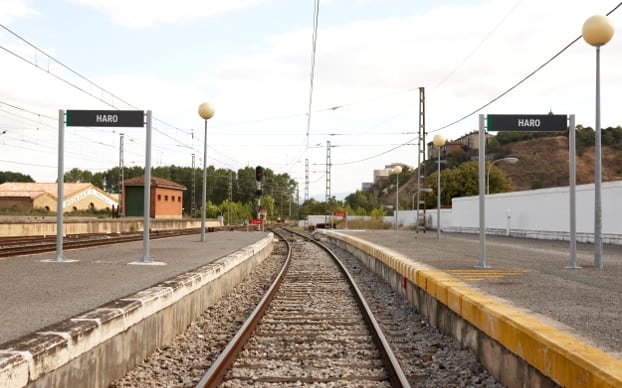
point(565, 359)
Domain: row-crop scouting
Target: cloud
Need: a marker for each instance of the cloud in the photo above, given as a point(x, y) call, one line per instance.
point(464, 56)
point(14, 9)
point(149, 13)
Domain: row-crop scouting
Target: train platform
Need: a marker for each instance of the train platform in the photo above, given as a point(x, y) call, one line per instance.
point(563, 322)
point(35, 294)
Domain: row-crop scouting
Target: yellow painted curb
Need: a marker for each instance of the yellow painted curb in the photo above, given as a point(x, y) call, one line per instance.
point(565, 359)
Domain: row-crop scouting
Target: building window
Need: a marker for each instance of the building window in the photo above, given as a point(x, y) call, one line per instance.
point(173, 198)
point(166, 197)
point(159, 197)
point(179, 198)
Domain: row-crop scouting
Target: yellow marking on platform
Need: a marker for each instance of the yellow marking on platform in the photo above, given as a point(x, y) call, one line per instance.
point(481, 274)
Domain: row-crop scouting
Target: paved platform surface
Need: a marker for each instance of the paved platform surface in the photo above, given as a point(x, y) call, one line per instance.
point(34, 294)
point(528, 274)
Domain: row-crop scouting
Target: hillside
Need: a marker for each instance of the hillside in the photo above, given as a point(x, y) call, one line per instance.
point(545, 163)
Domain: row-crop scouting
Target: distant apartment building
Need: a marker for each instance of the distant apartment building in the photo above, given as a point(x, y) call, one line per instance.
point(470, 141)
point(383, 175)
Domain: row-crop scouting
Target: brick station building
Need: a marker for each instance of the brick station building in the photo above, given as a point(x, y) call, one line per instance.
point(166, 198)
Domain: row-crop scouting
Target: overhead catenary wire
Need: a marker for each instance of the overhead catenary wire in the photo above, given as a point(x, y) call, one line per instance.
point(531, 74)
point(82, 77)
point(316, 16)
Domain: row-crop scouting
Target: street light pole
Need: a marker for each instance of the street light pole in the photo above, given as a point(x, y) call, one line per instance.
point(597, 31)
point(509, 160)
point(206, 111)
point(438, 141)
point(397, 170)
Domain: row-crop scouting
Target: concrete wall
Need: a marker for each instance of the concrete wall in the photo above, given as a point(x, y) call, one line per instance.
point(518, 349)
point(46, 226)
point(92, 349)
point(543, 213)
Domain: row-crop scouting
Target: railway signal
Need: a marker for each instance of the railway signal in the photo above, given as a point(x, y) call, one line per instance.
point(259, 173)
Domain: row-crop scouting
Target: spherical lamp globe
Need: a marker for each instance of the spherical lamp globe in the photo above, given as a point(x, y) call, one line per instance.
point(206, 111)
point(597, 30)
point(438, 140)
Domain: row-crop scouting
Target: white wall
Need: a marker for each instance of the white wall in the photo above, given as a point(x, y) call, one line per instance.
point(543, 213)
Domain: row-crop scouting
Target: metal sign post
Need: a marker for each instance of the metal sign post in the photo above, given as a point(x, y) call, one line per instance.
point(528, 123)
point(572, 186)
point(60, 193)
point(146, 258)
point(482, 195)
point(101, 118)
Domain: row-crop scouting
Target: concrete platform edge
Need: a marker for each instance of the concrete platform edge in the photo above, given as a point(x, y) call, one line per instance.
point(514, 346)
point(101, 345)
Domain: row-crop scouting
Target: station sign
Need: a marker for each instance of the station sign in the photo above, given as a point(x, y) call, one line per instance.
point(527, 123)
point(255, 221)
point(339, 214)
point(105, 118)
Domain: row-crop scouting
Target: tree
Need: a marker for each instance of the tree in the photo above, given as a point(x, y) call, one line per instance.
point(10, 176)
point(358, 200)
point(267, 202)
point(75, 175)
point(311, 206)
point(463, 181)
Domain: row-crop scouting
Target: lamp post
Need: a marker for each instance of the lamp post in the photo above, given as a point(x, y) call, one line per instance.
point(397, 170)
point(438, 141)
point(508, 159)
point(597, 31)
point(206, 111)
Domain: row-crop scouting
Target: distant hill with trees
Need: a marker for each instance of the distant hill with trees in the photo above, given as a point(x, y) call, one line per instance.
point(543, 162)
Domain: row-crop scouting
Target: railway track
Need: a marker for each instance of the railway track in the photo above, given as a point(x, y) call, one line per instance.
point(312, 327)
point(28, 245)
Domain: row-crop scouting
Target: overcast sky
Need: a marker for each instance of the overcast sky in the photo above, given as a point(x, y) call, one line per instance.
point(251, 59)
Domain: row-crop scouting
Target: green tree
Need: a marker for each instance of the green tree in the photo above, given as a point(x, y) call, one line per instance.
point(358, 200)
point(76, 175)
point(268, 202)
point(310, 207)
point(10, 176)
point(239, 212)
point(463, 181)
point(378, 213)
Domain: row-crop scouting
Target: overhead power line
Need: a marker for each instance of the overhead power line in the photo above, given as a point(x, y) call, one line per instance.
point(316, 15)
point(80, 76)
point(531, 74)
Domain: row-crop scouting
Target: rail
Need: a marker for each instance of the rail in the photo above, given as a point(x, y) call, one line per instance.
point(215, 375)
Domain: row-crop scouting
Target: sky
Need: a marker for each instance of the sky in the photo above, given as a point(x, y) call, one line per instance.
point(253, 60)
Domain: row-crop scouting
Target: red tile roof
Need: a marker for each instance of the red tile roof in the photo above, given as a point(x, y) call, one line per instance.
point(155, 182)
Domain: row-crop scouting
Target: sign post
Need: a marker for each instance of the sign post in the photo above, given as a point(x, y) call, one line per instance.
point(527, 123)
point(102, 118)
